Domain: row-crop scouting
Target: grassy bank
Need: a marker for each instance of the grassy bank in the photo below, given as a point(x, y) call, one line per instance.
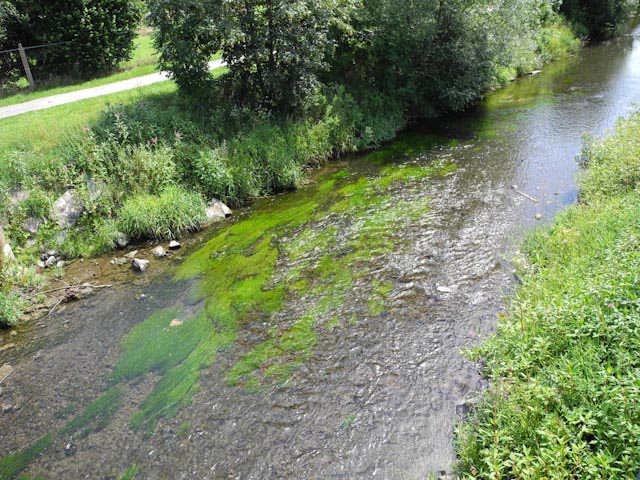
point(565, 363)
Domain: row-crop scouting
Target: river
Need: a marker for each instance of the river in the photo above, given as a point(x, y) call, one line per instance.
point(319, 334)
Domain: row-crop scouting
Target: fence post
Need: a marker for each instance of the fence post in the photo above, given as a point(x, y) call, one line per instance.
point(25, 64)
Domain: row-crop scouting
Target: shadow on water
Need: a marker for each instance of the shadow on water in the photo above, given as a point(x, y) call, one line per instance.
point(319, 334)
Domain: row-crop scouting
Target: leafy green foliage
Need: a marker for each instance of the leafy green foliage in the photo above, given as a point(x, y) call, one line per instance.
point(564, 364)
point(601, 18)
point(100, 33)
point(274, 49)
point(10, 308)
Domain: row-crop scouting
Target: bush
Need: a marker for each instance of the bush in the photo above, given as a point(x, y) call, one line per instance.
point(168, 215)
point(10, 309)
point(100, 33)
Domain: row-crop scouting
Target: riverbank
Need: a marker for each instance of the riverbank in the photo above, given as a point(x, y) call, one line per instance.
point(564, 368)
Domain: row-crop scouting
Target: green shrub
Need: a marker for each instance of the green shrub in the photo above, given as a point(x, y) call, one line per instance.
point(613, 164)
point(10, 309)
point(97, 34)
point(172, 213)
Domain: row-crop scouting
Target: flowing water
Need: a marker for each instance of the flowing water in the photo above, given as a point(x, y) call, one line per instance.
point(318, 335)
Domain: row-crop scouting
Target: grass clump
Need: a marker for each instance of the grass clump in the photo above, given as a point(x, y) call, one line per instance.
point(565, 365)
point(172, 213)
point(10, 308)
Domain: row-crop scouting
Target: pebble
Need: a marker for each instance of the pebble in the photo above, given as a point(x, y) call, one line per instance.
point(173, 245)
point(70, 449)
point(132, 254)
point(159, 252)
point(538, 216)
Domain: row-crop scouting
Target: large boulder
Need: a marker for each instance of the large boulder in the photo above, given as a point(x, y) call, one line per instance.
point(217, 211)
point(67, 209)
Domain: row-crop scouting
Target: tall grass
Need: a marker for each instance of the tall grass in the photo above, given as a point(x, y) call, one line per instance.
point(565, 363)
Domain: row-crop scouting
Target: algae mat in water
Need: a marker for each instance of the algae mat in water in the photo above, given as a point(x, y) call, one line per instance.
point(312, 249)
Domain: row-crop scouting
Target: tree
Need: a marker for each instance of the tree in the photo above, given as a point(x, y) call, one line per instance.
point(97, 34)
point(275, 49)
point(8, 18)
point(600, 17)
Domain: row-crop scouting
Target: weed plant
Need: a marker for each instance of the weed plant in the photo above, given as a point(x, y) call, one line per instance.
point(565, 363)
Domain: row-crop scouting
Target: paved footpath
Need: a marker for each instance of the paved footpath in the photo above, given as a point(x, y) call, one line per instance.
point(63, 98)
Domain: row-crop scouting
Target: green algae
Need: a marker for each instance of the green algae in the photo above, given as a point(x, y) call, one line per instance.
point(408, 145)
point(252, 270)
point(13, 464)
point(145, 348)
point(130, 473)
point(380, 291)
point(96, 415)
point(92, 419)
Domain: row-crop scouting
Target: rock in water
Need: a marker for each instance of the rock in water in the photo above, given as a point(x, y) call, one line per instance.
point(140, 264)
point(158, 252)
point(217, 211)
point(173, 245)
point(122, 240)
point(67, 209)
point(70, 449)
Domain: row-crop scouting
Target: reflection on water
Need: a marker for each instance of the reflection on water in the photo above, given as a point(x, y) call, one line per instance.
point(375, 394)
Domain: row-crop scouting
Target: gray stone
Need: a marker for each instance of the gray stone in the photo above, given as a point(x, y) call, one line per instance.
point(122, 240)
point(18, 196)
point(32, 225)
point(41, 264)
point(67, 209)
point(538, 216)
point(119, 261)
point(140, 264)
point(60, 264)
point(50, 262)
point(159, 252)
point(173, 245)
point(7, 252)
point(217, 211)
point(465, 407)
point(132, 254)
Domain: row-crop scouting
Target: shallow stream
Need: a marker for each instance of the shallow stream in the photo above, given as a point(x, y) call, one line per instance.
point(319, 334)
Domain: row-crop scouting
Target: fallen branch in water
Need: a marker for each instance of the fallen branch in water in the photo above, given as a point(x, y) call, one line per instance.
point(534, 200)
point(68, 287)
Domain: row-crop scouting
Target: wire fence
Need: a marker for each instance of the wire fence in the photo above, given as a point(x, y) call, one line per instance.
point(32, 62)
point(37, 63)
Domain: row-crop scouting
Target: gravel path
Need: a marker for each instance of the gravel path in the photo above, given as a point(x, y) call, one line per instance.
point(63, 98)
